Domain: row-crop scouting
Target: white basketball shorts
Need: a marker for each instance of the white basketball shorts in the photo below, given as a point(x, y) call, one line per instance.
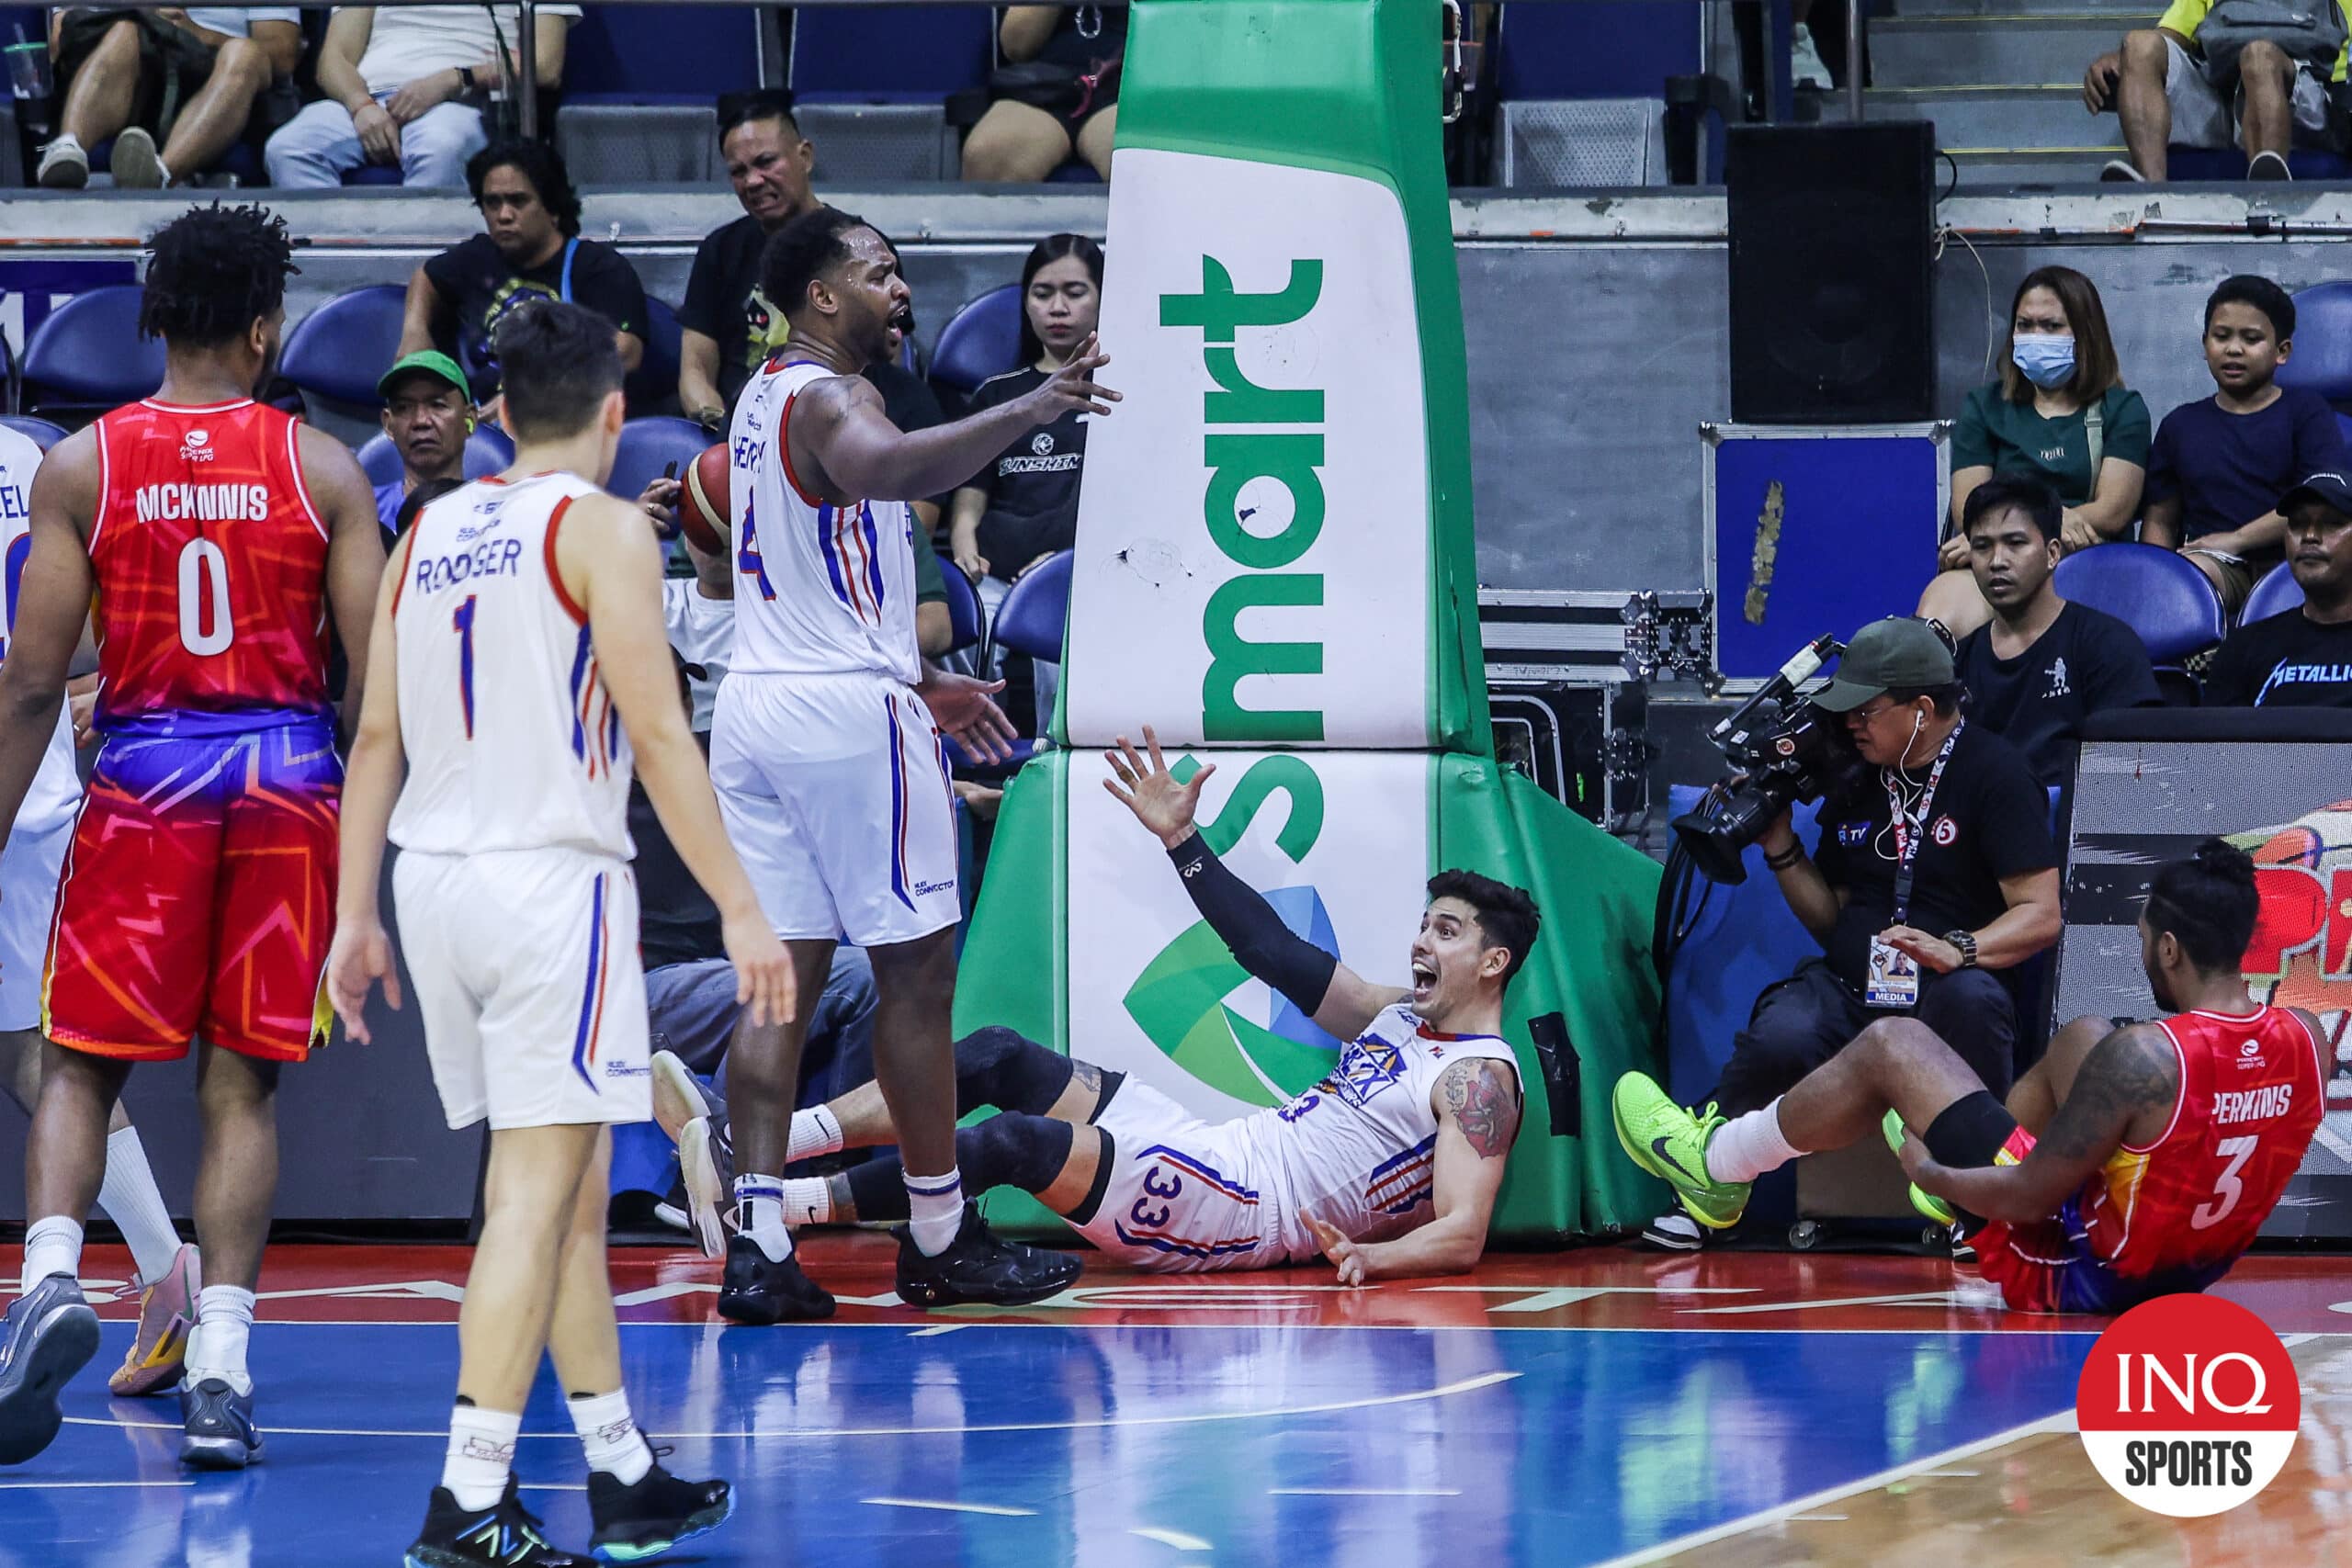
point(30, 866)
point(525, 969)
point(835, 792)
point(1182, 1197)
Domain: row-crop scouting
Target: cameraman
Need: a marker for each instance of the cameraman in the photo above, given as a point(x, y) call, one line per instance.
point(1935, 869)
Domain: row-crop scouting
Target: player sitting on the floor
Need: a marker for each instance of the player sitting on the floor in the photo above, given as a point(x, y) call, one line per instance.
point(1388, 1167)
point(2131, 1162)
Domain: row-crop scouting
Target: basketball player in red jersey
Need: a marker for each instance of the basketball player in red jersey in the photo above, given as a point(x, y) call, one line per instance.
point(2130, 1163)
point(207, 536)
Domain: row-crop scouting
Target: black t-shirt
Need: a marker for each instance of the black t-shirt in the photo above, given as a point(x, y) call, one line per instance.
point(1033, 485)
point(724, 303)
point(483, 286)
point(1989, 820)
point(2086, 661)
point(2286, 662)
point(676, 921)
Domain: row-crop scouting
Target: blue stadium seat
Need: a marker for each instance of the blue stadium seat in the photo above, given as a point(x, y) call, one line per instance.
point(88, 355)
point(660, 54)
point(2322, 362)
point(2228, 163)
point(966, 618)
point(1032, 618)
point(979, 341)
point(1613, 48)
point(44, 434)
point(889, 53)
point(2276, 593)
point(488, 450)
point(654, 385)
point(373, 174)
point(339, 349)
point(647, 445)
point(2159, 593)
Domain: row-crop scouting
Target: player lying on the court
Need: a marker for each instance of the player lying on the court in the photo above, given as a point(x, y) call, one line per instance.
point(2130, 1163)
point(1388, 1167)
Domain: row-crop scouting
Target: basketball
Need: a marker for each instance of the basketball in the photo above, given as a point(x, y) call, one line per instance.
point(702, 502)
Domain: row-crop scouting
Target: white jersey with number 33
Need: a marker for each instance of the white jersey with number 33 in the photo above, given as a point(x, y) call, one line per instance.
point(512, 742)
point(820, 588)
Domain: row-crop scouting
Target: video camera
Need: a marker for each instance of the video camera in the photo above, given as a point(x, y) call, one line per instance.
point(1784, 749)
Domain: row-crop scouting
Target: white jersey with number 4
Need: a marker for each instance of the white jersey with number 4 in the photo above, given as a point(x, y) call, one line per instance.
point(820, 588)
point(56, 789)
point(512, 742)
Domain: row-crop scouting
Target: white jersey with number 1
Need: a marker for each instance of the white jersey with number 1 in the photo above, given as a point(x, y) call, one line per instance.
point(820, 588)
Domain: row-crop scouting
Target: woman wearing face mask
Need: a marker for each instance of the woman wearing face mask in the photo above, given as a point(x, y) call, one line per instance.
point(1023, 507)
point(2060, 400)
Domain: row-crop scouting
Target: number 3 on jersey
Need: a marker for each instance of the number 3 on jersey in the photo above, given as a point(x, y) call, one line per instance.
point(205, 625)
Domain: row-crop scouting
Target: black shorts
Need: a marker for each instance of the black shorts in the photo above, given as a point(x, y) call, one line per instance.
point(174, 63)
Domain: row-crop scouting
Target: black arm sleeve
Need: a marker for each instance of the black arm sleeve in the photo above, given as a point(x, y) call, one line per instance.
point(1261, 942)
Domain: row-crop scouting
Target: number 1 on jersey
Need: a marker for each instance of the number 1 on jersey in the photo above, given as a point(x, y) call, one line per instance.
point(462, 619)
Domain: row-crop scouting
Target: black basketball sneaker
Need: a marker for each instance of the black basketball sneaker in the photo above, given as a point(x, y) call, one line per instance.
point(979, 1269)
point(636, 1522)
point(758, 1290)
point(505, 1534)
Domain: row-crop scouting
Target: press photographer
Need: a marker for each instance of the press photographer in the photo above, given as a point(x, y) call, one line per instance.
point(1935, 870)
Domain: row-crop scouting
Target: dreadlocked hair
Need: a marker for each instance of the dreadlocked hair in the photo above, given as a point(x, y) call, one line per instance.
point(212, 273)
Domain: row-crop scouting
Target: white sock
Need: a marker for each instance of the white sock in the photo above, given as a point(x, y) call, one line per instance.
point(808, 1201)
point(609, 1434)
point(129, 1196)
point(814, 1133)
point(1747, 1147)
point(759, 1214)
point(52, 1245)
point(935, 1209)
point(224, 1321)
point(481, 1456)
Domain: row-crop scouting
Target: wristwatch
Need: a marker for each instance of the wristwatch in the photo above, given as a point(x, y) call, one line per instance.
point(466, 80)
point(1966, 943)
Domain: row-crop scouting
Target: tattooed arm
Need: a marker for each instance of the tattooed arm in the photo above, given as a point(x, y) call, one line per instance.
point(2124, 1093)
point(1478, 1107)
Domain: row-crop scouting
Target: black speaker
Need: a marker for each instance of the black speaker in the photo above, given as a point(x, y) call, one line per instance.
point(1832, 310)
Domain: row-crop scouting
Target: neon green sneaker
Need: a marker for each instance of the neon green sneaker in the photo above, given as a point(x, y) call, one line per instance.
point(1671, 1145)
point(1926, 1202)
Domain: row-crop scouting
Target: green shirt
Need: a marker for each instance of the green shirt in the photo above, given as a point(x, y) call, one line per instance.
point(2012, 438)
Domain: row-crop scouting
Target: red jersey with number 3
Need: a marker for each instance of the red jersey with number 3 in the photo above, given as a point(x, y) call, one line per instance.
point(2251, 1090)
point(211, 562)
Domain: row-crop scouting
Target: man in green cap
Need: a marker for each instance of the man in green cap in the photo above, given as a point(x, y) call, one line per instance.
point(428, 413)
point(1935, 871)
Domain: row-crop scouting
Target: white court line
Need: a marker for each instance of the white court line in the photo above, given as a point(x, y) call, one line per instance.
point(549, 1486)
point(1781, 1513)
point(936, 1329)
point(1176, 1538)
point(1466, 1385)
point(994, 1508)
point(57, 1485)
point(1364, 1491)
point(1816, 1519)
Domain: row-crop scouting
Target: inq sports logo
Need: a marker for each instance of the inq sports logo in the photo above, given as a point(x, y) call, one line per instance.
point(1180, 1001)
point(1256, 476)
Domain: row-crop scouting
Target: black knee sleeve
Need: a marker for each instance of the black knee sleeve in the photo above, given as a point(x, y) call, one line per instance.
point(1012, 1150)
point(1002, 1067)
point(1969, 1132)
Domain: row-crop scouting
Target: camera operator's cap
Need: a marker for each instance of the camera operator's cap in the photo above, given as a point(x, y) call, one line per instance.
point(1899, 653)
point(429, 362)
point(2328, 490)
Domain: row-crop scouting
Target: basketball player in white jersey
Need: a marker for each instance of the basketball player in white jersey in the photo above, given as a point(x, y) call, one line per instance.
point(521, 662)
point(30, 862)
point(1388, 1167)
point(826, 754)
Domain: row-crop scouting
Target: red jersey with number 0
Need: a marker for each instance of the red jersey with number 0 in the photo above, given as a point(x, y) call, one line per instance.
point(211, 562)
point(2251, 1090)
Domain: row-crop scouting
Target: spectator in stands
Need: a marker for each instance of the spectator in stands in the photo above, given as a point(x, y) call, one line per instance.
point(1059, 90)
point(2221, 464)
point(428, 413)
point(1023, 507)
point(531, 250)
point(2040, 665)
point(2060, 412)
point(726, 322)
point(1984, 895)
point(406, 85)
point(2179, 82)
point(2302, 658)
point(191, 78)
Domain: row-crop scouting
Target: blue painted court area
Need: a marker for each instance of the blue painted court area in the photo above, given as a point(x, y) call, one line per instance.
point(1027, 1445)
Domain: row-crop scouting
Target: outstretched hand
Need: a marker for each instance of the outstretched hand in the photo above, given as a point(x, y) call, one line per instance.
point(964, 706)
point(1152, 793)
point(1073, 386)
